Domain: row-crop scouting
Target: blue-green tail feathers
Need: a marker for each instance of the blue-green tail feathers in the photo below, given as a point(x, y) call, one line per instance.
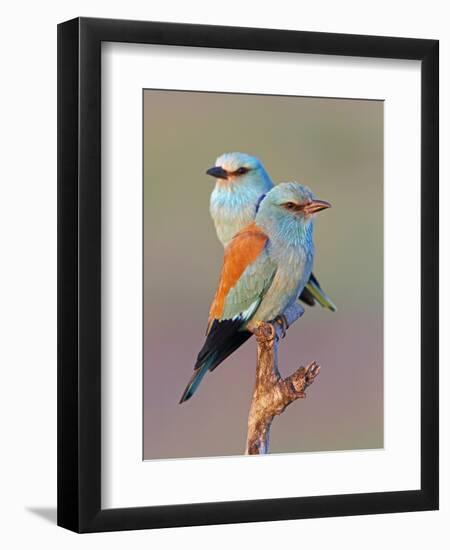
point(194, 382)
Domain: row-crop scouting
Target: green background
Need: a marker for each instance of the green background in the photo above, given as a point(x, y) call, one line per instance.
point(336, 147)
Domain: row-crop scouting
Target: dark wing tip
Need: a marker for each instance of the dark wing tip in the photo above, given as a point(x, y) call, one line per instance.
point(307, 297)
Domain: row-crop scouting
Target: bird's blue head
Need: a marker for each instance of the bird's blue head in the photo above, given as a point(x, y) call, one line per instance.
point(239, 169)
point(287, 212)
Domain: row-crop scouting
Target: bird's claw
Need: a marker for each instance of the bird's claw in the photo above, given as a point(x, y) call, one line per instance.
point(281, 321)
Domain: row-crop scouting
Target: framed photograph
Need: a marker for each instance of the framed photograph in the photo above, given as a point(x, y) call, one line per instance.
point(246, 217)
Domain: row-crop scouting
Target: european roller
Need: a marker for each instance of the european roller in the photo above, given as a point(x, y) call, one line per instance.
point(265, 268)
point(241, 182)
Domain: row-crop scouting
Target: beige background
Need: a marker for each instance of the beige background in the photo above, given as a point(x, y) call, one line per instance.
point(335, 147)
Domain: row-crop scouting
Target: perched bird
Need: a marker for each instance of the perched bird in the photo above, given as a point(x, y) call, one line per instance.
point(266, 265)
point(241, 182)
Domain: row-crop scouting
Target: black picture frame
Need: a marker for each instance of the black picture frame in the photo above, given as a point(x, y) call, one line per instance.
point(79, 274)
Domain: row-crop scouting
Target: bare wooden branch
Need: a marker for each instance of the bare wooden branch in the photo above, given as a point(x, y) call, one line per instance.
point(272, 394)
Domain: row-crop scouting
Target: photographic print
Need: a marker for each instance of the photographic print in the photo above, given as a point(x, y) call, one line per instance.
point(263, 274)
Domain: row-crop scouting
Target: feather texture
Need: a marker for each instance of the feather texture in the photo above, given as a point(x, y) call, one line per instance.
point(238, 291)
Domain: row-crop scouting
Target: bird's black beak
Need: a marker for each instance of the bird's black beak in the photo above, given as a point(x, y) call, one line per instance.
point(217, 172)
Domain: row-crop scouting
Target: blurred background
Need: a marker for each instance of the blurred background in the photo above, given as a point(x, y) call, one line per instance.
point(336, 147)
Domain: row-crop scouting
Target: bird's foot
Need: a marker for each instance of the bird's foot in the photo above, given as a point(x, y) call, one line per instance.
point(282, 322)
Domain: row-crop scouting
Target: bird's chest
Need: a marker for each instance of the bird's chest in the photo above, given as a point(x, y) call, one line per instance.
point(294, 265)
point(230, 214)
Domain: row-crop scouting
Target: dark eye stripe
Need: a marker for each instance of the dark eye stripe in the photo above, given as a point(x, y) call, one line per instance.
point(241, 171)
point(292, 206)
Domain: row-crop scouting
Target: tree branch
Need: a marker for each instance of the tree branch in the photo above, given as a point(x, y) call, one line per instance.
point(272, 394)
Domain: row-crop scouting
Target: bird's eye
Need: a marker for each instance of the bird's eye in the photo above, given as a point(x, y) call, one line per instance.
point(290, 205)
point(241, 170)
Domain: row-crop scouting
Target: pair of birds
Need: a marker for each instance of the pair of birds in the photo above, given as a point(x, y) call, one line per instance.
point(267, 232)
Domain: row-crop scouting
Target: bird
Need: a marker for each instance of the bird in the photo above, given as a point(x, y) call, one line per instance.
point(241, 183)
point(266, 265)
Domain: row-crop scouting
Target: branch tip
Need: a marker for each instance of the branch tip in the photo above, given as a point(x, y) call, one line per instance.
point(272, 394)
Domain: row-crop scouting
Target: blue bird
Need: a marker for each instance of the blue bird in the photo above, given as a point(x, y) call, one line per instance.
point(266, 266)
point(241, 182)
